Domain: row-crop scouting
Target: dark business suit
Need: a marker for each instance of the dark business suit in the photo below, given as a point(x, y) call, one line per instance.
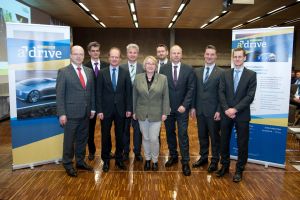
point(137, 135)
point(113, 104)
point(240, 100)
point(91, 143)
point(206, 103)
point(76, 103)
point(181, 94)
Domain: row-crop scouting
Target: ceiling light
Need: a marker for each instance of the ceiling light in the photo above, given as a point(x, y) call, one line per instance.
point(213, 19)
point(204, 25)
point(292, 21)
point(102, 24)
point(174, 18)
point(181, 7)
point(95, 17)
point(134, 17)
point(251, 20)
point(273, 26)
point(224, 11)
point(237, 26)
point(277, 9)
point(136, 24)
point(84, 7)
point(170, 25)
point(132, 7)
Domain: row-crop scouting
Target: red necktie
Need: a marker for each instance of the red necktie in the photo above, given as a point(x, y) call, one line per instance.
point(81, 77)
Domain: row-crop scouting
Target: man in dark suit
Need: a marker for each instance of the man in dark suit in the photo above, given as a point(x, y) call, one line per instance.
point(236, 92)
point(133, 67)
point(75, 100)
point(114, 103)
point(181, 83)
point(162, 53)
point(207, 109)
point(96, 65)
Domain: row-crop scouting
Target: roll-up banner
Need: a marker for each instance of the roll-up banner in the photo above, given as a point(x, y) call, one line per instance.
point(35, 53)
point(269, 53)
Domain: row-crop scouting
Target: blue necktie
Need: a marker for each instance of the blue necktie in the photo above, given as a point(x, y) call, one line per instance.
point(236, 79)
point(113, 79)
point(206, 74)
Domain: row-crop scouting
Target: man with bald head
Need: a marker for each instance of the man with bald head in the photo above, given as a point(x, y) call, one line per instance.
point(181, 83)
point(75, 100)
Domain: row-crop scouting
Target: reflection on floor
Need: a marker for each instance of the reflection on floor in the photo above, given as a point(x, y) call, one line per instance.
point(51, 182)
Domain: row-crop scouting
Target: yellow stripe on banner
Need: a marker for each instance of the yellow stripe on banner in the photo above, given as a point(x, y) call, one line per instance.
point(3, 72)
point(43, 150)
point(271, 33)
point(274, 121)
point(46, 65)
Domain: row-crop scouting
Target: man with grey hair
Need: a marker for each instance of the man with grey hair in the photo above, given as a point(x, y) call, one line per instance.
point(134, 68)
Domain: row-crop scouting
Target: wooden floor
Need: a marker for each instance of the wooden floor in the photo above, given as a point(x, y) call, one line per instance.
point(51, 182)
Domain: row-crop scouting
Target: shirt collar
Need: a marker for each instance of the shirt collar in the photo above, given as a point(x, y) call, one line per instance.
point(93, 62)
point(178, 65)
point(75, 66)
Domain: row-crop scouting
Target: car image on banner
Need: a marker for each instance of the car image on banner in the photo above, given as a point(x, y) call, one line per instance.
point(35, 89)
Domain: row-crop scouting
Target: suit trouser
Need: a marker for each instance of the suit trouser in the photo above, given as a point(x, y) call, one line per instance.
point(208, 127)
point(106, 125)
point(183, 138)
point(75, 139)
point(150, 131)
point(91, 142)
point(242, 130)
point(137, 136)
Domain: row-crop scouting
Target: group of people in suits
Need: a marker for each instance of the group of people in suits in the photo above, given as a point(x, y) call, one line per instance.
point(144, 96)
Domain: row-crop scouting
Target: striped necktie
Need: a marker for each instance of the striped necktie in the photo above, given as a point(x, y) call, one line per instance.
point(132, 73)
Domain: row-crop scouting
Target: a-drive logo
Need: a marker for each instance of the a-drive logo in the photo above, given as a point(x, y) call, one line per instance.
point(252, 43)
point(39, 52)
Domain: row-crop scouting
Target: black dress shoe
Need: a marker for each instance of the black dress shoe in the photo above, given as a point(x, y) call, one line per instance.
point(105, 167)
point(171, 162)
point(71, 172)
point(91, 157)
point(237, 177)
point(147, 165)
point(186, 169)
point(112, 155)
point(200, 162)
point(155, 166)
point(138, 157)
point(126, 156)
point(120, 165)
point(221, 172)
point(84, 166)
point(212, 167)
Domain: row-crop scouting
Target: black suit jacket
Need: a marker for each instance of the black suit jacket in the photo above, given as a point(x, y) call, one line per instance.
point(243, 97)
point(107, 98)
point(182, 93)
point(206, 101)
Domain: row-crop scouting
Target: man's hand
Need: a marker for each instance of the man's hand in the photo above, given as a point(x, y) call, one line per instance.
point(163, 118)
point(231, 112)
point(181, 109)
point(133, 116)
point(63, 120)
point(100, 116)
point(193, 113)
point(128, 114)
point(217, 116)
point(92, 114)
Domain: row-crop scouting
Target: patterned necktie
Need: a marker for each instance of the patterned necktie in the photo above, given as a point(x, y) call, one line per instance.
point(236, 79)
point(96, 69)
point(81, 77)
point(175, 75)
point(132, 73)
point(113, 79)
point(206, 75)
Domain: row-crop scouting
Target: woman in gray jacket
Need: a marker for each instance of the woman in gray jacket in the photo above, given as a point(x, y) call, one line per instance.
point(150, 107)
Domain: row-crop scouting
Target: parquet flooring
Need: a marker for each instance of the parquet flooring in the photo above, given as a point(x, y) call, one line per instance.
point(51, 182)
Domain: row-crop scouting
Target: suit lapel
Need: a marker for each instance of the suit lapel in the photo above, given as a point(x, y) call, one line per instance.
point(243, 75)
point(108, 78)
point(154, 83)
